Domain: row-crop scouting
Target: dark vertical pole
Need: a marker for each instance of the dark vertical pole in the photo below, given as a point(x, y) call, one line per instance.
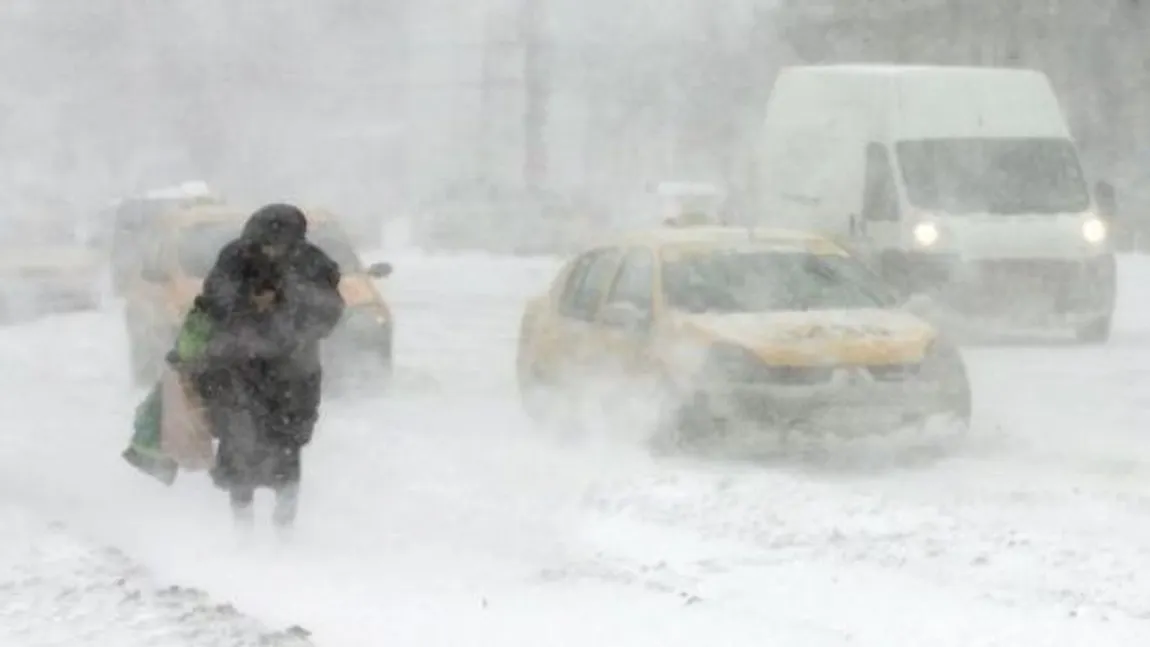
point(536, 95)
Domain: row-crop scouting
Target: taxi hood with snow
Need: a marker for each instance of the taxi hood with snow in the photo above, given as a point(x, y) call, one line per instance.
point(810, 338)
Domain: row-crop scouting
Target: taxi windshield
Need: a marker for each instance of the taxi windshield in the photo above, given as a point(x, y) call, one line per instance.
point(745, 281)
point(200, 244)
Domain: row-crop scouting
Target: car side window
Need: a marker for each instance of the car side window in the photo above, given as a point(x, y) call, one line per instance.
point(880, 200)
point(635, 282)
point(567, 299)
point(589, 294)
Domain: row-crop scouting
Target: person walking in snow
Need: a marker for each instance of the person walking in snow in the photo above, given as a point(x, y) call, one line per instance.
point(272, 296)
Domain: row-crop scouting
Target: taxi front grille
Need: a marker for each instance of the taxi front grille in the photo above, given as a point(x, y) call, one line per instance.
point(894, 372)
point(796, 375)
point(815, 375)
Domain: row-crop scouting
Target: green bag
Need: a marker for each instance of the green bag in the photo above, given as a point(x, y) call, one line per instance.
point(192, 342)
point(144, 451)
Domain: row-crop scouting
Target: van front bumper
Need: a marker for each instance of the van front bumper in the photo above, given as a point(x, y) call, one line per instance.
point(1039, 292)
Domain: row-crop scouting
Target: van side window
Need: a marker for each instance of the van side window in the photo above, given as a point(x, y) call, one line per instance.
point(880, 199)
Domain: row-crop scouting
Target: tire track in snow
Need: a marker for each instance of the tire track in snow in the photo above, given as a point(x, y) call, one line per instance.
point(796, 520)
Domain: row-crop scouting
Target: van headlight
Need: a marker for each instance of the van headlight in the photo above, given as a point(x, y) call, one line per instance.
point(1094, 230)
point(926, 234)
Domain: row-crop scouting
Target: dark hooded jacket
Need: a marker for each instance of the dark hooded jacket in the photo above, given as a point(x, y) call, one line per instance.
point(262, 378)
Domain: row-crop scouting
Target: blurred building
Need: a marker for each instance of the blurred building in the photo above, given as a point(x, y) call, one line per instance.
point(372, 107)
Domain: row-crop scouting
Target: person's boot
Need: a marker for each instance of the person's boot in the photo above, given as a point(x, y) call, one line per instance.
point(286, 507)
point(243, 509)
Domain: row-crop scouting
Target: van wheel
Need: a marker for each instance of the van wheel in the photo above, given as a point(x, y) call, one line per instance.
point(1095, 332)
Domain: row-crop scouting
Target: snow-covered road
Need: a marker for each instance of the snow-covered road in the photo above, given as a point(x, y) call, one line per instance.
point(441, 517)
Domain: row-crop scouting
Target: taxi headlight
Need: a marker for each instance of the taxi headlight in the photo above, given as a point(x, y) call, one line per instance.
point(926, 234)
point(1094, 230)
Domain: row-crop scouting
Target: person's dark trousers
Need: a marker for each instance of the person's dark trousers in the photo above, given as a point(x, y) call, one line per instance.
point(284, 513)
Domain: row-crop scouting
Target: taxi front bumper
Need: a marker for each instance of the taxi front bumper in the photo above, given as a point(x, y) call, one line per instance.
point(855, 400)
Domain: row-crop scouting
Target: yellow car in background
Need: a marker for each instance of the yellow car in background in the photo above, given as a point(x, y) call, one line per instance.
point(727, 325)
point(181, 250)
point(37, 279)
point(123, 228)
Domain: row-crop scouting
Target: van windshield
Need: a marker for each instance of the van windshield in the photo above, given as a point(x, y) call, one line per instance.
point(1000, 176)
point(744, 281)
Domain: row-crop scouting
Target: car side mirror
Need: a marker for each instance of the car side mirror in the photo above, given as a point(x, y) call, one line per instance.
point(625, 316)
point(380, 270)
point(1107, 198)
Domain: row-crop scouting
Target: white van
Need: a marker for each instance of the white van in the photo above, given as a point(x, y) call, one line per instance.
point(963, 183)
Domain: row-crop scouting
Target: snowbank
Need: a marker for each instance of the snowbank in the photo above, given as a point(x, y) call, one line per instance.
point(56, 589)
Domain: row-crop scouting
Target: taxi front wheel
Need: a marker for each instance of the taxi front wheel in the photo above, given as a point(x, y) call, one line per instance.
point(946, 366)
point(686, 421)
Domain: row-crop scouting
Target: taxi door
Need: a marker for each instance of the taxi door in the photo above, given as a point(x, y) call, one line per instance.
point(627, 323)
point(570, 347)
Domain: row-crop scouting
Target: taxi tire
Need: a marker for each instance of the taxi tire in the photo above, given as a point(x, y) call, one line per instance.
point(534, 395)
point(958, 401)
point(552, 408)
point(686, 424)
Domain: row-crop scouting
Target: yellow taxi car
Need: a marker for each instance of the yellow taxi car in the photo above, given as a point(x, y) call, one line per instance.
point(181, 250)
point(737, 325)
point(37, 279)
point(122, 226)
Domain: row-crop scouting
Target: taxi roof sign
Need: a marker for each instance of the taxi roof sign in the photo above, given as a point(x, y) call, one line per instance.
point(692, 219)
point(685, 189)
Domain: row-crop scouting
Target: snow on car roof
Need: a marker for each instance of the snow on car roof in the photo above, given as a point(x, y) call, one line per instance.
point(674, 189)
point(190, 189)
point(889, 69)
point(230, 212)
point(708, 235)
